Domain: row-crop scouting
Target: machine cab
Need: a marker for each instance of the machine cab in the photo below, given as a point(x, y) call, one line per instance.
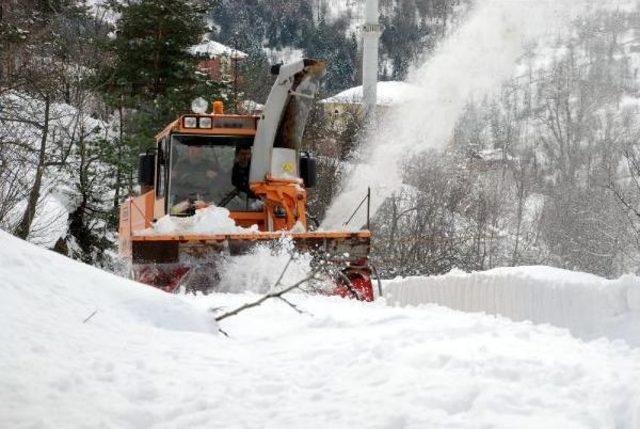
point(203, 159)
point(251, 165)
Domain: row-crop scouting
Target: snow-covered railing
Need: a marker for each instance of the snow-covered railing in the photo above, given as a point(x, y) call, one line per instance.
point(588, 305)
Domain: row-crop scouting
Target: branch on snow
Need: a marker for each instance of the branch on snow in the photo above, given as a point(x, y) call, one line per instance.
point(276, 294)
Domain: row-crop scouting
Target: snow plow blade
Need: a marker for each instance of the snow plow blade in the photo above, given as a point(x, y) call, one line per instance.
point(192, 261)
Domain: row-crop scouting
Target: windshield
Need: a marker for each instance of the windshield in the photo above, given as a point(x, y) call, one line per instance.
point(202, 169)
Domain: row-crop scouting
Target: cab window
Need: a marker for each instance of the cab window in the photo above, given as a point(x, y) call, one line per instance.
point(202, 170)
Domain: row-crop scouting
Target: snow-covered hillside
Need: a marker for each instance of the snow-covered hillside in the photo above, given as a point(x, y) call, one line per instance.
point(59, 153)
point(148, 359)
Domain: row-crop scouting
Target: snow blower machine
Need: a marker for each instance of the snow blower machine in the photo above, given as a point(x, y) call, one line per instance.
point(251, 165)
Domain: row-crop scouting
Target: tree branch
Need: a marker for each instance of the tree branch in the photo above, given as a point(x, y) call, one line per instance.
point(268, 296)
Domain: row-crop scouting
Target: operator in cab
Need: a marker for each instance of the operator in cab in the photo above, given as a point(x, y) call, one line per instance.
point(240, 181)
point(241, 169)
point(241, 197)
point(193, 180)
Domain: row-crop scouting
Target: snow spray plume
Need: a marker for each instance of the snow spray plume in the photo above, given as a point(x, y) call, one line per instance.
point(473, 62)
point(258, 270)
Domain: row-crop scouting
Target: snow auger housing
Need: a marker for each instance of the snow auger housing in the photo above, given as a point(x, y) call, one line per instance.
point(253, 166)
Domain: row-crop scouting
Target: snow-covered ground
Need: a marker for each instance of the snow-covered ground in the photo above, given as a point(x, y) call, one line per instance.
point(149, 359)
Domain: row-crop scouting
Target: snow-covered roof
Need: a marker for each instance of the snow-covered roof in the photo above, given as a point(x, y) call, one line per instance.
point(214, 49)
point(389, 93)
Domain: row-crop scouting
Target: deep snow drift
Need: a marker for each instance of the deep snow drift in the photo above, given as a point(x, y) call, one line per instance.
point(590, 306)
point(149, 359)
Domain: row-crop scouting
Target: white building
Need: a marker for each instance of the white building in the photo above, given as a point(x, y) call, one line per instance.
point(389, 94)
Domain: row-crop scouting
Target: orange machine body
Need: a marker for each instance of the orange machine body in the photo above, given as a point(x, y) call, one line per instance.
point(289, 196)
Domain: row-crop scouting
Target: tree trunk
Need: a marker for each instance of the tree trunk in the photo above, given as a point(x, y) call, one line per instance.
point(118, 185)
point(24, 227)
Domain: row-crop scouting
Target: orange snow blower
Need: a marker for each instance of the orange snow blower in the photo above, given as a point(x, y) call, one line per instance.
point(250, 164)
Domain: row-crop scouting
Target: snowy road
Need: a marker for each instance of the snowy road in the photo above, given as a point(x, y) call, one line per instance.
point(355, 365)
point(148, 359)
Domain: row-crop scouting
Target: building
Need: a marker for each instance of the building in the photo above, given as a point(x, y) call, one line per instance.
point(218, 61)
point(390, 94)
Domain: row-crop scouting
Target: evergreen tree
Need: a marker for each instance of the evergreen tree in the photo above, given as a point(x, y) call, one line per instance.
point(153, 70)
point(404, 37)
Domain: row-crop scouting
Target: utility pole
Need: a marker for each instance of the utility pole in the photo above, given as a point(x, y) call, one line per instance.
point(235, 72)
point(371, 33)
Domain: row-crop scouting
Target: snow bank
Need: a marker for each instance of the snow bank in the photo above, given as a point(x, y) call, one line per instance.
point(66, 328)
point(588, 305)
point(210, 220)
point(42, 288)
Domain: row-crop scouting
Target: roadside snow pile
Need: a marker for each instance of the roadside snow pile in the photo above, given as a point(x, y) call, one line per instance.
point(210, 220)
point(65, 330)
point(50, 293)
point(148, 359)
point(588, 305)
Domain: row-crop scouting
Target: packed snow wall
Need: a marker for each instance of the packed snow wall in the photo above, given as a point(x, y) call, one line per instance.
point(588, 305)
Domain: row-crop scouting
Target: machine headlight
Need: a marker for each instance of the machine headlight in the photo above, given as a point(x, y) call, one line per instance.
point(199, 105)
point(205, 122)
point(190, 122)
